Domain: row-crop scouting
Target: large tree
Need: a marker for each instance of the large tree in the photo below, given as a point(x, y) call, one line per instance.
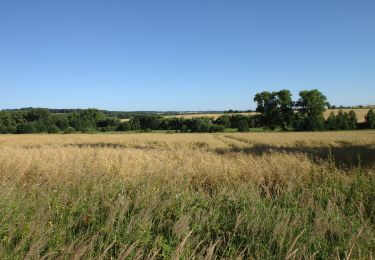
point(275, 108)
point(311, 106)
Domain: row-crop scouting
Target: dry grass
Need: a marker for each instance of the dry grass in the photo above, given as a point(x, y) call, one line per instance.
point(253, 195)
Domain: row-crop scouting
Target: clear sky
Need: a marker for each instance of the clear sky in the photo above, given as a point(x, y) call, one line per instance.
point(183, 55)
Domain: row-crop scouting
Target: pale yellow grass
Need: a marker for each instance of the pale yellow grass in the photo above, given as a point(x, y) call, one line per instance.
point(215, 140)
point(307, 139)
point(102, 195)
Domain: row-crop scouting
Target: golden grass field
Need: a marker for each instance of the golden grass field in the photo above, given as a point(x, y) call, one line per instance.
point(360, 112)
point(182, 196)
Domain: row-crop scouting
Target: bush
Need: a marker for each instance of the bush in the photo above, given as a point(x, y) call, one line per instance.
point(69, 130)
point(217, 128)
point(124, 126)
point(201, 125)
point(243, 127)
point(26, 128)
point(223, 121)
point(53, 129)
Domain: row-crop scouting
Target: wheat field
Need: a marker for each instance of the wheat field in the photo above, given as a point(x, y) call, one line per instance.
point(184, 196)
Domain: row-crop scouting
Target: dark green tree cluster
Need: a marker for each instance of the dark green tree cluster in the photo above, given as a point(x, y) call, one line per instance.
point(277, 109)
point(341, 121)
point(198, 125)
point(370, 119)
point(43, 121)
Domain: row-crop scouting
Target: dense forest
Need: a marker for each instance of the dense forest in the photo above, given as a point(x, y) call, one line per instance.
point(275, 111)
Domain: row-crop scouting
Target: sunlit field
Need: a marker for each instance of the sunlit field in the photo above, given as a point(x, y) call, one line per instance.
point(181, 196)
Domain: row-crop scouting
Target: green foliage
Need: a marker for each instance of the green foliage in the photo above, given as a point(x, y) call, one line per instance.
point(243, 126)
point(37, 114)
point(225, 121)
point(148, 121)
point(61, 121)
point(108, 124)
point(135, 124)
point(201, 125)
point(370, 119)
point(124, 126)
point(69, 130)
point(331, 123)
point(276, 108)
point(53, 129)
point(311, 105)
point(217, 128)
point(353, 120)
point(26, 128)
point(341, 121)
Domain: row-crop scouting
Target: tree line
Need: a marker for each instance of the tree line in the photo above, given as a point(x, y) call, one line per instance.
point(278, 110)
point(275, 110)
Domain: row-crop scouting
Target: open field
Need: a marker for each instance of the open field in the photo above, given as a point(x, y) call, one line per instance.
point(360, 112)
point(226, 195)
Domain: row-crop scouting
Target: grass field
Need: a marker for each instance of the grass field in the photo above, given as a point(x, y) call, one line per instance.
point(181, 196)
point(360, 112)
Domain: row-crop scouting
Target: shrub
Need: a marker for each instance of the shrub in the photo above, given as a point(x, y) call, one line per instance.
point(223, 121)
point(217, 128)
point(243, 127)
point(26, 128)
point(69, 130)
point(124, 126)
point(53, 129)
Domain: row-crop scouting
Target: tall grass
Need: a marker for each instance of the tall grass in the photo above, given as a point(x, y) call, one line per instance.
point(178, 196)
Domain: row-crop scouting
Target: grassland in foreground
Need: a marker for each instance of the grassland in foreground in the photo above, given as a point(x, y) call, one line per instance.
point(245, 195)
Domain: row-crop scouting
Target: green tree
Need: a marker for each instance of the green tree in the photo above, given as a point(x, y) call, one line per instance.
point(53, 129)
point(311, 105)
point(267, 107)
point(62, 122)
point(134, 124)
point(285, 104)
point(352, 119)
point(124, 126)
point(224, 121)
point(37, 114)
point(342, 119)
point(26, 128)
point(201, 125)
point(370, 119)
point(69, 130)
point(331, 123)
point(276, 108)
point(217, 128)
point(243, 126)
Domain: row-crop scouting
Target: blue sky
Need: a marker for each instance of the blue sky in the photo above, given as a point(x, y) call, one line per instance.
point(183, 55)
